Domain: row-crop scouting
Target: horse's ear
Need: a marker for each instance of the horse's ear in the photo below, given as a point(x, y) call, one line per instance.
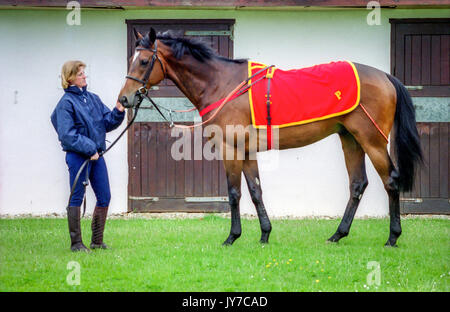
point(152, 35)
point(137, 35)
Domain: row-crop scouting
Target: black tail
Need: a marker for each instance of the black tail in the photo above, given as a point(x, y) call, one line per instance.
point(407, 142)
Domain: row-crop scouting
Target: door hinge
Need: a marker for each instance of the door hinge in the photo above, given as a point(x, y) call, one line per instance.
point(206, 199)
point(412, 200)
point(414, 88)
point(209, 33)
point(144, 198)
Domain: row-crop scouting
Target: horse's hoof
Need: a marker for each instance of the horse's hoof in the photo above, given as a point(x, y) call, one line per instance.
point(99, 246)
point(228, 242)
point(264, 238)
point(231, 238)
point(392, 241)
point(389, 244)
point(80, 247)
point(334, 239)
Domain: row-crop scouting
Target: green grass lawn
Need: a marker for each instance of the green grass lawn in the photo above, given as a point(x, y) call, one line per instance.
point(187, 255)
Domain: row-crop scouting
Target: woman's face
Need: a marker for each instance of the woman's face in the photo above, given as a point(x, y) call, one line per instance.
point(80, 79)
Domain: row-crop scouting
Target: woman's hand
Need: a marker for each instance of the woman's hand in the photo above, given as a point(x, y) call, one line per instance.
point(95, 157)
point(120, 106)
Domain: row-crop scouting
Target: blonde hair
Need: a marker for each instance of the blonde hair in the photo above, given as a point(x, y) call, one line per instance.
point(69, 72)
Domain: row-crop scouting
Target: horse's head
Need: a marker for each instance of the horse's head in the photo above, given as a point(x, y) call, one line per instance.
point(146, 69)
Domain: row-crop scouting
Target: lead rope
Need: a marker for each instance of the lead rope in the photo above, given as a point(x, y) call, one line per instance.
point(216, 112)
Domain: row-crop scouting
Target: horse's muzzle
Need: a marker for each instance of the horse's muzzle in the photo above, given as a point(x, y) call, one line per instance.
point(124, 101)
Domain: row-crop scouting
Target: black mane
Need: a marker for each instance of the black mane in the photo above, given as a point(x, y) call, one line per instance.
point(181, 46)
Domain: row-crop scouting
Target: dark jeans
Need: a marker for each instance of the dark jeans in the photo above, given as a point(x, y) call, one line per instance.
point(98, 177)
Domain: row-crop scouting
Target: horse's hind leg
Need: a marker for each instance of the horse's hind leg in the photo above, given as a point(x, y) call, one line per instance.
point(354, 161)
point(389, 175)
point(254, 186)
point(233, 169)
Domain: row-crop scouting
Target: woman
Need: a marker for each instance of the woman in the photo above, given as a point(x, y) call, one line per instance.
point(81, 121)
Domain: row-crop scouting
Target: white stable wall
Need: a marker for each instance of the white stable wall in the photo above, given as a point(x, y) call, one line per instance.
point(309, 181)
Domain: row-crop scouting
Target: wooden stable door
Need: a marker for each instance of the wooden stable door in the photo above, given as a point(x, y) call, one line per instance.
point(158, 182)
point(420, 59)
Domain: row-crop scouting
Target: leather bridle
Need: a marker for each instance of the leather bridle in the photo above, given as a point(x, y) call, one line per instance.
point(143, 91)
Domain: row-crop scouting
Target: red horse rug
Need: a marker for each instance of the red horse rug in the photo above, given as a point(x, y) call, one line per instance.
point(301, 96)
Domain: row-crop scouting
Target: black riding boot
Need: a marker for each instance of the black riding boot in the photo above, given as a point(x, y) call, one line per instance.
point(98, 227)
point(73, 217)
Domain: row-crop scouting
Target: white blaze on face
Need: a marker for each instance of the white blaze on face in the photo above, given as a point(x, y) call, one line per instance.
point(136, 55)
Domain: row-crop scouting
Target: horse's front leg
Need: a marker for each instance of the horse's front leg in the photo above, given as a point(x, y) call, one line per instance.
point(233, 169)
point(254, 186)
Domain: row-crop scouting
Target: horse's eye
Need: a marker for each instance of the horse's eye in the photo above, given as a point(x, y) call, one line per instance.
point(144, 62)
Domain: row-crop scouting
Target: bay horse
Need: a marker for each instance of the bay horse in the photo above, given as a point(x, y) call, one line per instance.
point(205, 77)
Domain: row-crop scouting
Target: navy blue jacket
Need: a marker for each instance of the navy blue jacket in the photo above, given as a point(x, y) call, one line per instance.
point(82, 120)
